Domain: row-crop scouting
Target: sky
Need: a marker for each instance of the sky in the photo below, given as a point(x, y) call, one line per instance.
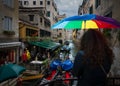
point(68, 7)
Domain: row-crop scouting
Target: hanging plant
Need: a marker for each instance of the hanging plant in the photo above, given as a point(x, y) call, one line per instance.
point(9, 32)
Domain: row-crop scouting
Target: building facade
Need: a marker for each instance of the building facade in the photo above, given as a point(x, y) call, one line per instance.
point(61, 33)
point(34, 12)
point(9, 33)
point(84, 8)
point(110, 8)
point(27, 31)
point(107, 8)
point(52, 14)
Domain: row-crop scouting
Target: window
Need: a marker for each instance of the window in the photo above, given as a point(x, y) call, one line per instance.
point(31, 17)
point(91, 10)
point(20, 3)
point(40, 20)
point(26, 3)
point(41, 33)
point(9, 3)
point(48, 2)
point(30, 32)
point(7, 23)
point(41, 2)
point(97, 3)
point(48, 13)
point(34, 2)
point(60, 34)
point(109, 14)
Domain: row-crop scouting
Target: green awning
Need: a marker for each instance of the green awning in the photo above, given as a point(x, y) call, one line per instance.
point(46, 44)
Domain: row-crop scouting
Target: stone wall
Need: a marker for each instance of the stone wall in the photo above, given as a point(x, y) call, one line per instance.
point(116, 49)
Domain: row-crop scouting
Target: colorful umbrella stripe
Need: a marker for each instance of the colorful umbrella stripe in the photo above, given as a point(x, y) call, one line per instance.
point(87, 21)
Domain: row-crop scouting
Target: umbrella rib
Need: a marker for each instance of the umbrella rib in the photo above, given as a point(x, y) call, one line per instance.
point(85, 24)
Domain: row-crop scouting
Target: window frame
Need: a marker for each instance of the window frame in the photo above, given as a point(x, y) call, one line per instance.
point(41, 2)
point(48, 13)
point(26, 3)
point(34, 2)
point(31, 17)
point(9, 3)
point(7, 23)
point(48, 2)
point(97, 3)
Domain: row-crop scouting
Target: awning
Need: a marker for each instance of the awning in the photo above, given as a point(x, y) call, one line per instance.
point(46, 44)
point(11, 44)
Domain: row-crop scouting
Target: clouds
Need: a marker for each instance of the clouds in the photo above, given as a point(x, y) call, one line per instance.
point(69, 7)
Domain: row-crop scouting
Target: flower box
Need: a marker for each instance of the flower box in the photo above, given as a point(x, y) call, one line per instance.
point(7, 32)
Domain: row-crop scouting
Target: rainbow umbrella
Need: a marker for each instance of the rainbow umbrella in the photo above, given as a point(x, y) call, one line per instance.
point(86, 21)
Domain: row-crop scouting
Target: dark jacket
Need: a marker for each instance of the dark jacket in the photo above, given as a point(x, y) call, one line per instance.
point(87, 75)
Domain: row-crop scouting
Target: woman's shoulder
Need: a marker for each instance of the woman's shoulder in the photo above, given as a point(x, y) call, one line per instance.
point(80, 54)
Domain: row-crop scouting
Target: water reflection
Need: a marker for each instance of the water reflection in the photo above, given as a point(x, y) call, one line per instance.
point(73, 51)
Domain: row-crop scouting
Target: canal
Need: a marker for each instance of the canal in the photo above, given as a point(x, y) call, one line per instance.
point(73, 51)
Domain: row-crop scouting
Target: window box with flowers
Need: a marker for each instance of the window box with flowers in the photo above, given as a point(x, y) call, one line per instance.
point(9, 32)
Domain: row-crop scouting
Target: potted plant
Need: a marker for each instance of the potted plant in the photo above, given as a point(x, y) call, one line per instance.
point(9, 32)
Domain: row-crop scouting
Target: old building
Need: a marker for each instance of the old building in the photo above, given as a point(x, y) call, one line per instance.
point(34, 12)
point(61, 33)
point(52, 13)
point(107, 8)
point(28, 31)
point(84, 8)
point(9, 33)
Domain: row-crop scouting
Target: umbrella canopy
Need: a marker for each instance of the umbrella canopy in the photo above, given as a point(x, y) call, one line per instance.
point(86, 21)
point(8, 71)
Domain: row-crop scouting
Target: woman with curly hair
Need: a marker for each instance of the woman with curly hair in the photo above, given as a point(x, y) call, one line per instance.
point(94, 60)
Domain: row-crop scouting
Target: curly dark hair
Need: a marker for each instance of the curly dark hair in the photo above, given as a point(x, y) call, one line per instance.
point(95, 46)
